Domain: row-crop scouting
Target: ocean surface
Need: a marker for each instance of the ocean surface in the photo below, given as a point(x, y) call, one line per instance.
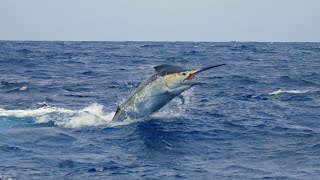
point(257, 117)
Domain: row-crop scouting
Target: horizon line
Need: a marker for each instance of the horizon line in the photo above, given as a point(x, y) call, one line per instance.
point(192, 41)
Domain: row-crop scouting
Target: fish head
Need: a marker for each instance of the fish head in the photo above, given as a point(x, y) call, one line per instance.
point(184, 80)
point(177, 80)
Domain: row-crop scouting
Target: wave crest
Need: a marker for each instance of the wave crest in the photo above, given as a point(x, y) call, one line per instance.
point(93, 115)
point(289, 92)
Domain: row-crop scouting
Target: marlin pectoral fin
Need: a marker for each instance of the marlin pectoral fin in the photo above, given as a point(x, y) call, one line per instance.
point(182, 99)
point(118, 109)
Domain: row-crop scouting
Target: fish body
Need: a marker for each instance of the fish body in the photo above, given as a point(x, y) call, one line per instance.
point(167, 83)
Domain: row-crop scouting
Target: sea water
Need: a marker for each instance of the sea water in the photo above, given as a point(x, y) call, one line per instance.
point(257, 117)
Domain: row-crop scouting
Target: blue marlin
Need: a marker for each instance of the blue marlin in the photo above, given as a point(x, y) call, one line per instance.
point(168, 82)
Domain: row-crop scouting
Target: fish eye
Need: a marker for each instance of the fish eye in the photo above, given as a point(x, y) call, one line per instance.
point(184, 74)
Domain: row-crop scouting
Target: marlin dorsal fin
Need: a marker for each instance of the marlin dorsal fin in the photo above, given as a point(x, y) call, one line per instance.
point(168, 69)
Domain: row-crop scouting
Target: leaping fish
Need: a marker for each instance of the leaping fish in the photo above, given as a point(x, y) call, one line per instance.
point(168, 82)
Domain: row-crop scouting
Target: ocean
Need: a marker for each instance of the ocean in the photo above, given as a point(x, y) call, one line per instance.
point(257, 117)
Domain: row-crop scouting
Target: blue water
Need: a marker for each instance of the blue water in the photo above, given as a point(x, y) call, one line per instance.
point(258, 117)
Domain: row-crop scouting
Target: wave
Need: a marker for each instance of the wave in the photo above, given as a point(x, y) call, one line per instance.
point(289, 92)
point(93, 115)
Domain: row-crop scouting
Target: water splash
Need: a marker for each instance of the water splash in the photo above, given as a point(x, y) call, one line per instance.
point(92, 115)
point(34, 112)
point(180, 109)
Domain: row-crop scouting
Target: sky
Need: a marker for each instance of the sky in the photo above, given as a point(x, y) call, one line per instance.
point(161, 20)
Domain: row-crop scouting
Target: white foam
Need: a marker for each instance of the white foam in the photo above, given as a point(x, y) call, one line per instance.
point(93, 115)
point(85, 119)
point(33, 112)
point(23, 88)
point(289, 92)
